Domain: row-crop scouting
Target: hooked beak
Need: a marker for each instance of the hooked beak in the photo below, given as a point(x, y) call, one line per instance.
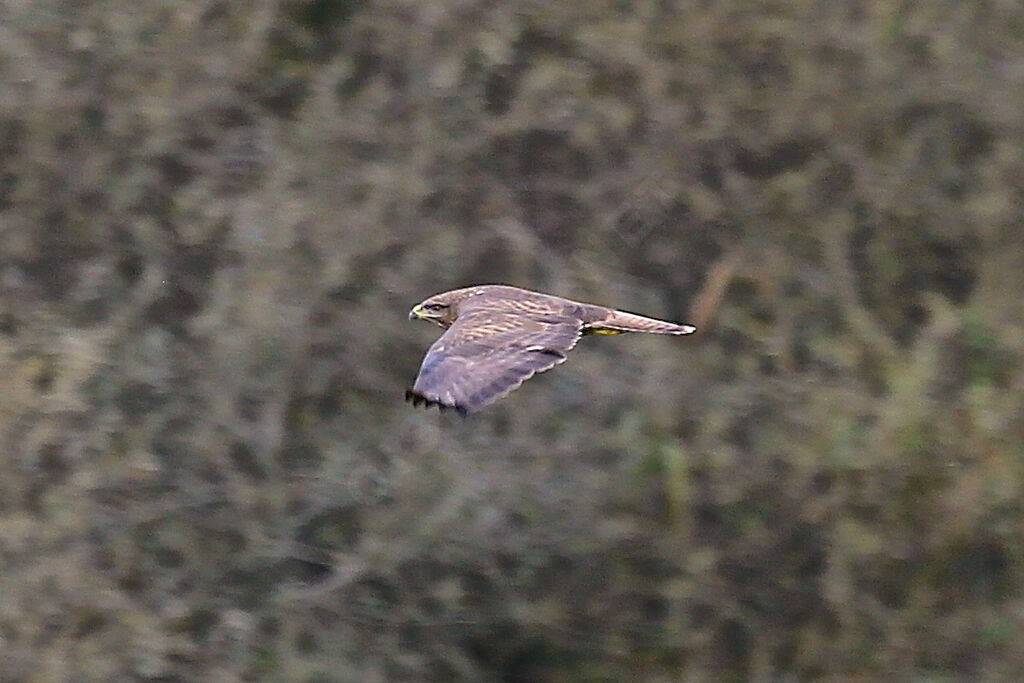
point(416, 312)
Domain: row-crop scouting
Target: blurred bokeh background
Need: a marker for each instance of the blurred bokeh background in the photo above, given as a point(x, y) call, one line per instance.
point(214, 217)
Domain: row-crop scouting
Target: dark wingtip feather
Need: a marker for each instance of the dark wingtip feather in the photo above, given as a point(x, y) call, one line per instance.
point(418, 399)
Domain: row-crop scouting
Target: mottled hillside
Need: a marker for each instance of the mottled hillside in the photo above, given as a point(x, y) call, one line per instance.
point(214, 217)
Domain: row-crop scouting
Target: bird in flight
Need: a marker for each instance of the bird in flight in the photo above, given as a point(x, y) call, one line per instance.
point(497, 337)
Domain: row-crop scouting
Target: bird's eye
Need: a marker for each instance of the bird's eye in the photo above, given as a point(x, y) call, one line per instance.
point(433, 307)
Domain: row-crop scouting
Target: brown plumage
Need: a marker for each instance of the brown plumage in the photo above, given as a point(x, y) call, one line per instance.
point(497, 337)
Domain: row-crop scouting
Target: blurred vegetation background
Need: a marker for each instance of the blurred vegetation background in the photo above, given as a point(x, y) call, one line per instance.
point(214, 217)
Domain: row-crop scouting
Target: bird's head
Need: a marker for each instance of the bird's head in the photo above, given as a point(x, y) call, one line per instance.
point(439, 309)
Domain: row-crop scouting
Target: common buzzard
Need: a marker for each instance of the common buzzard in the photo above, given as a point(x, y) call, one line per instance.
point(497, 337)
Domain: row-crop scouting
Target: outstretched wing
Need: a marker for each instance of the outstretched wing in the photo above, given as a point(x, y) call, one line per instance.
point(486, 354)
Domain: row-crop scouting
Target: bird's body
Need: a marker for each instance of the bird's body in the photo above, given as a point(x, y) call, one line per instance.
point(498, 336)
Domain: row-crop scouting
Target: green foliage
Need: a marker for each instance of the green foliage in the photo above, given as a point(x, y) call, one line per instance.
point(216, 216)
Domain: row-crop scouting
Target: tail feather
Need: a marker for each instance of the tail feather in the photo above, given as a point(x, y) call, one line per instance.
point(621, 321)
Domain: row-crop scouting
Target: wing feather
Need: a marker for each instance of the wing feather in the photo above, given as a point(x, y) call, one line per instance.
point(486, 354)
